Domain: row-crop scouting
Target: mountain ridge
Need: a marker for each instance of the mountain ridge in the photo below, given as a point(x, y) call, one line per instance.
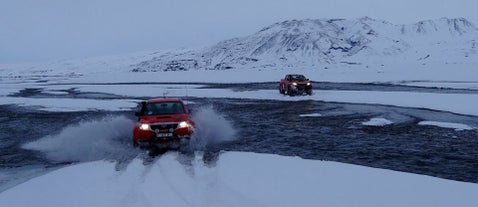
point(315, 42)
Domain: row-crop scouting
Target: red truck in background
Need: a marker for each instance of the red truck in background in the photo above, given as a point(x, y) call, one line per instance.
point(295, 84)
point(162, 123)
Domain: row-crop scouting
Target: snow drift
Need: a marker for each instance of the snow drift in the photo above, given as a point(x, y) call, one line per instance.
point(237, 179)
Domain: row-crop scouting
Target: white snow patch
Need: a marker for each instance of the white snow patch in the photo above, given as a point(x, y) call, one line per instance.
point(457, 103)
point(87, 140)
point(106, 70)
point(445, 84)
point(7, 91)
point(311, 115)
point(52, 92)
point(377, 122)
point(134, 90)
point(237, 179)
point(71, 104)
point(456, 126)
point(10, 177)
point(452, 102)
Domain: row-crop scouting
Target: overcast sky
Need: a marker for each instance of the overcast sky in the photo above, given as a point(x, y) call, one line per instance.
point(39, 30)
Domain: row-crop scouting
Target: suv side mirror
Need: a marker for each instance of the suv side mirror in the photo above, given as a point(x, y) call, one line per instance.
point(140, 109)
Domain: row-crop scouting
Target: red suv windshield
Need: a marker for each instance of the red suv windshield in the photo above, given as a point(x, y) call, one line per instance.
point(163, 108)
point(298, 77)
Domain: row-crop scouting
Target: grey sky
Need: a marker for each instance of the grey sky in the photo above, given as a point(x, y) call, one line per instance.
point(36, 30)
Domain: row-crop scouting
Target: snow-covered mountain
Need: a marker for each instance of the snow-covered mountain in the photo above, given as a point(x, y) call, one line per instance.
point(311, 43)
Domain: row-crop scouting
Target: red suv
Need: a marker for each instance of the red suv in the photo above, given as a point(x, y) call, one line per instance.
point(162, 123)
point(295, 84)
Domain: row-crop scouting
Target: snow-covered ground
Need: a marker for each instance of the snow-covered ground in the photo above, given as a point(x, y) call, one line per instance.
point(456, 103)
point(445, 84)
point(236, 179)
point(377, 122)
point(70, 104)
point(311, 115)
point(118, 70)
point(450, 125)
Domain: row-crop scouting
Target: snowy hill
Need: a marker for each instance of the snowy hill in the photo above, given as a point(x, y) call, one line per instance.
point(310, 43)
point(365, 49)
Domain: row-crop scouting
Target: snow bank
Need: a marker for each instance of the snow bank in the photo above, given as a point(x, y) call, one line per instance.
point(452, 102)
point(10, 177)
point(445, 84)
point(7, 91)
point(449, 125)
point(237, 179)
point(377, 122)
point(117, 70)
point(71, 104)
point(457, 103)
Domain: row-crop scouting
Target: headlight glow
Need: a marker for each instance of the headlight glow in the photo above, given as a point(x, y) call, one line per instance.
point(294, 84)
point(308, 84)
point(145, 127)
point(183, 124)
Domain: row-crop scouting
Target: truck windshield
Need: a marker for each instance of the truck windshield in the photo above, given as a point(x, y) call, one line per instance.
point(298, 77)
point(163, 108)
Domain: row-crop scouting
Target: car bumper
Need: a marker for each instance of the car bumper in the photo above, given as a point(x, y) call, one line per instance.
point(301, 89)
point(164, 142)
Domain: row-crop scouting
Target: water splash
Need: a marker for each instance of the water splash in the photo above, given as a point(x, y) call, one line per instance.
point(108, 138)
point(211, 128)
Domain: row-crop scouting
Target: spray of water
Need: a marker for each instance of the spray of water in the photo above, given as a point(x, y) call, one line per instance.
point(211, 128)
point(107, 138)
point(110, 138)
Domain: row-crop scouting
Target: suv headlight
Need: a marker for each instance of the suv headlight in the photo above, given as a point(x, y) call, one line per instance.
point(144, 127)
point(183, 124)
point(308, 84)
point(294, 84)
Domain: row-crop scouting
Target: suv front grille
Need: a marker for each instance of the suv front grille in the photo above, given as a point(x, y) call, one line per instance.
point(167, 126)
point(301, 86)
